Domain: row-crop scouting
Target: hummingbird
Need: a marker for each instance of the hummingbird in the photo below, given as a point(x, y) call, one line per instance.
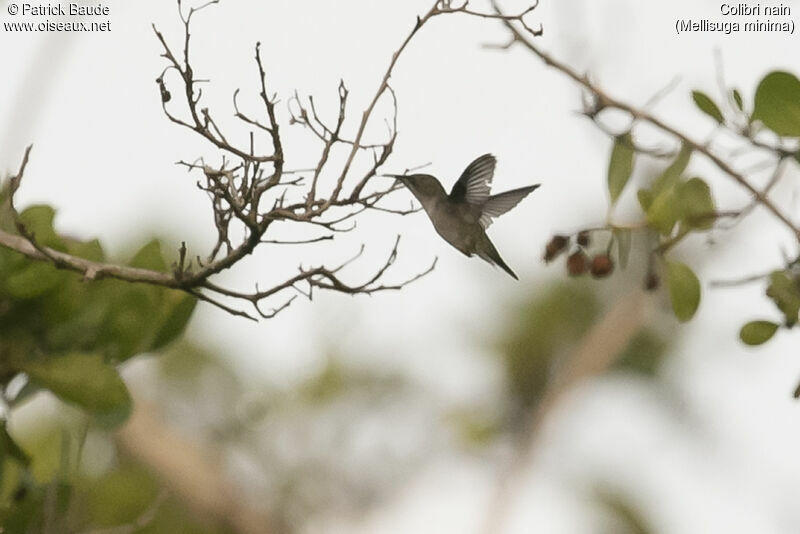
point(463, 216)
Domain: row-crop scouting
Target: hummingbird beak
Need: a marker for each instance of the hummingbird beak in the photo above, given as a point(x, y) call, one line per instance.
point(401, 178)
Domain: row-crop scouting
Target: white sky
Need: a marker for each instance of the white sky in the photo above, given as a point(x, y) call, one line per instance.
point(104, 157)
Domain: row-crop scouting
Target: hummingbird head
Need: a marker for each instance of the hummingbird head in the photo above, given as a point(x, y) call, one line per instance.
point(425, 187)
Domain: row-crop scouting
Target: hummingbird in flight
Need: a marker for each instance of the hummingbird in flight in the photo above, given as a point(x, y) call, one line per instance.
point(463, 216)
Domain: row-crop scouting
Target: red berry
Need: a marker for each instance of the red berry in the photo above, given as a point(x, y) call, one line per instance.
point(577, 262)
point(555, 246)
point(602, 265)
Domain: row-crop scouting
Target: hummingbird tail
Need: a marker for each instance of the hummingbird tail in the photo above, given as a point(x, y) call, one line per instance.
point(487, 252)
point(506, 268)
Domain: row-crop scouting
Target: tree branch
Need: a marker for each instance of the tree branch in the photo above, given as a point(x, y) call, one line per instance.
point(604, 100)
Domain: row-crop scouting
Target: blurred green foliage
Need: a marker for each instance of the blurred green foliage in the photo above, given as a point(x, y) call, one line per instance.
point(542, 334)
point(628, 519)
point(65, 335)
point(297, 437)
point(548, 328)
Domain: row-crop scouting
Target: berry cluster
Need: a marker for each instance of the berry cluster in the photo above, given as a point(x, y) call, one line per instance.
point(579, 261)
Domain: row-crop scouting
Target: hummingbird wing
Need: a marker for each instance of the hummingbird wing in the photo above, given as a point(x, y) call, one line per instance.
point(499, 204)
point(475, 182)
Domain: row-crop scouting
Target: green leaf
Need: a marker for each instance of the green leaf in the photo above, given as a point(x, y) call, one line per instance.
point(684, 290)
point(737, 99)
point(672, 174)
point(9, 447)
point(38, 220)
point(150, 257)
point(623, 239)
point(33, 281)
point(85, 380)
point(89, 250)
point(121, 496)
point(757, 332)
point(707, 106)
point(6, 221)
point(645, 197)
point(131, 320)
point(664, 212)
point(785, 292)
point(25, 515)
point(620, 165)
point(697, 204)
point(777, 103)
point(178, 309)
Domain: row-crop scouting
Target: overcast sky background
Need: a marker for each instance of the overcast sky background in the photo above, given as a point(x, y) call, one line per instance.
point(104, 157)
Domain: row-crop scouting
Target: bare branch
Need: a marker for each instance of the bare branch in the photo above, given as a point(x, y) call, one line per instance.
point(298, 242)
point(90, 270)
point(245, 181)
point(447, 6)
